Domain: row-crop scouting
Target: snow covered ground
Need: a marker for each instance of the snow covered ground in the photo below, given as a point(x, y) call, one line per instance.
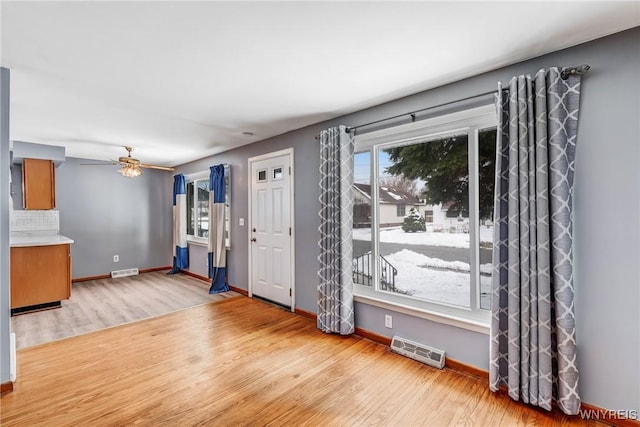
point(417, 279)
point(427, 238)
point(432, 278)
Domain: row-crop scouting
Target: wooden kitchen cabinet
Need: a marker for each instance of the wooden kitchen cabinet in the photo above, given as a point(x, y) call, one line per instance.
point(40, 274)
point(38, 184)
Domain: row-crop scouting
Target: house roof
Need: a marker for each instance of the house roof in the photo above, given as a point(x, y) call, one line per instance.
point(389, 195)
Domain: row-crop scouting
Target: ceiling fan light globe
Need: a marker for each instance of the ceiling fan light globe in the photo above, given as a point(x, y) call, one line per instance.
point(130, 171)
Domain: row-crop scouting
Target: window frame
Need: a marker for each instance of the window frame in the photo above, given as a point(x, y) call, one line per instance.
point(205, 175)
point(193, 178)
point(471, 121)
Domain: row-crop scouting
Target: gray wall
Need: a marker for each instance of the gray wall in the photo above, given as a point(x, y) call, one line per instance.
point(607, 189)
point(107, 214)
point(5, 310)
point(198, 260)
point(28, 150)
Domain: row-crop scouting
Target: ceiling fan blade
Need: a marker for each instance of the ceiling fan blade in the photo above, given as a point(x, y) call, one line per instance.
point(100, 164)
point(162, 168)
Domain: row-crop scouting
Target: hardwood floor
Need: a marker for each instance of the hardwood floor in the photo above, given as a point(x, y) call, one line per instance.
point(244, 362)
point(99, 304)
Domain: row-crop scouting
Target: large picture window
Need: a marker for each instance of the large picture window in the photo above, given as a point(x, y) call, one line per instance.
point(437, 256)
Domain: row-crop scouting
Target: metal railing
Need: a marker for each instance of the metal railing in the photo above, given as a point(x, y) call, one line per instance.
point(362, 273)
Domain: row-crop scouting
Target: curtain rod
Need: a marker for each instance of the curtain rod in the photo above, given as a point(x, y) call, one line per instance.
point(564, 75)
point(413, 113)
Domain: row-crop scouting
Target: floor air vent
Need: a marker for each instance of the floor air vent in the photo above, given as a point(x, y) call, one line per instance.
point(420, 352)
point(124, 273)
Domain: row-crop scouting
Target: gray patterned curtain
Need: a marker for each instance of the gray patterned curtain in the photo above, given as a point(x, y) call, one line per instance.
point(335, 291)
point(533, 338)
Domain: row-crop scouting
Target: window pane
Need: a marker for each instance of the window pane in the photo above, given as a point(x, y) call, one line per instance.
point(362, 264)
point(191, 215)
point(426, 260)
point(486, 179)
point(202, 208)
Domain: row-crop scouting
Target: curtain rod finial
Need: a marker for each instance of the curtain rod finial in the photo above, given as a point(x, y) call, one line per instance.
point(566, 72)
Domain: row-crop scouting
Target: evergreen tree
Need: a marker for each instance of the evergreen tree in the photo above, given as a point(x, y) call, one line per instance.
point(443, 165)
point(413, 222)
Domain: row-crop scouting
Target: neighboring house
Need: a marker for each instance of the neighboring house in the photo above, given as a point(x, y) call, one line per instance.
point(394, 205)
point(442, 220)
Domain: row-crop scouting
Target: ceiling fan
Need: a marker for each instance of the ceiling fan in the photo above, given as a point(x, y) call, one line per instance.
point(131, 166)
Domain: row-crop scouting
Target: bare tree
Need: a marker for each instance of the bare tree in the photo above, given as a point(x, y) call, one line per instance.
point(400, 183)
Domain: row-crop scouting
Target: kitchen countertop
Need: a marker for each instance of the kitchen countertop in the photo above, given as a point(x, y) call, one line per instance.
point(21, 239)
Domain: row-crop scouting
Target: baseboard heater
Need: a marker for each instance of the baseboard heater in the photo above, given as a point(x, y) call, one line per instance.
point(124, 273)
point(416, 351)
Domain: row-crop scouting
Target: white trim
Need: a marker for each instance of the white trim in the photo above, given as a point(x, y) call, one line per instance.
point(467, 314)
point(249, 226)
point(435, 316)
point(189, 179)
point(474, 220)
point(271, 155)
point(250, 160)
point(201, 241)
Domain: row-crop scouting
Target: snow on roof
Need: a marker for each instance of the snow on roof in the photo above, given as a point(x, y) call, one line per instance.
point(388, 195)
point(394, 195)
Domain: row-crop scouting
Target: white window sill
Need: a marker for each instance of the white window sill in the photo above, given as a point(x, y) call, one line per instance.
point(197, 242)
point(477, 325)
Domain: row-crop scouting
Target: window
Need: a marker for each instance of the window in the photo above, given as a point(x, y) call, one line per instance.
point(428, 215)
point(198, 206)
point(439, 261)
point(277, 174)
point(198, 209)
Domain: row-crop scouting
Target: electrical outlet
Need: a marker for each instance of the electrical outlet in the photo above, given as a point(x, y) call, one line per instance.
point(116, 258)
point(241, 222)
point(388, 321)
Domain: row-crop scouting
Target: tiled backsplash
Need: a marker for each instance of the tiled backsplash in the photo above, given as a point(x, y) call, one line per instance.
point(32, 220)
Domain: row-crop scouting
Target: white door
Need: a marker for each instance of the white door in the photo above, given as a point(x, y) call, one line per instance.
point(270, 229)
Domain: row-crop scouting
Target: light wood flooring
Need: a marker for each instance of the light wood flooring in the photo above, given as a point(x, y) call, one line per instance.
point(99, 304)
point(244, 362)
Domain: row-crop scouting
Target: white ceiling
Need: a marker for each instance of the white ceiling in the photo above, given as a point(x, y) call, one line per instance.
point(183, 80)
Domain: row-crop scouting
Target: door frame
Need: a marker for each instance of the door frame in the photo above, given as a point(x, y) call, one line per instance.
point(250, 161)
